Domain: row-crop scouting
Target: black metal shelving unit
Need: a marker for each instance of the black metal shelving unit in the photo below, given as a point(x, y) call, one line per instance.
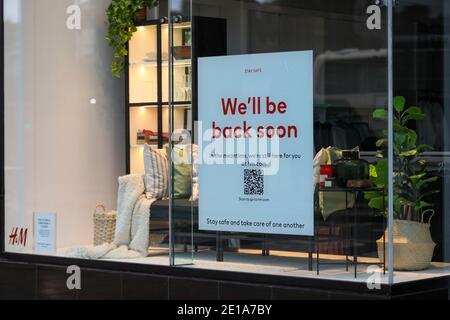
point(158, 103)
point(208, 38)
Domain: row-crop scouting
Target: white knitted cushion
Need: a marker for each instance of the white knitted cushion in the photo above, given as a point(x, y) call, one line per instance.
point(156, 172)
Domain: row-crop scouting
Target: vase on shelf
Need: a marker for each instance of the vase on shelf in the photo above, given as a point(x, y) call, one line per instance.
point(350, 167)
point(153, 13)
point(141, 15)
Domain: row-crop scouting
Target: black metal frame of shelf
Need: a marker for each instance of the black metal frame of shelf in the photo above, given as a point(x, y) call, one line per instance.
point(159, 104)
point(159, 82)
point(156, 104)
point(209, 38)
point(354, 230)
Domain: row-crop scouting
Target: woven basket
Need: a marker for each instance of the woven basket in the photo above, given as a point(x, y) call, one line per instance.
point(104, 225)
point(413, 245)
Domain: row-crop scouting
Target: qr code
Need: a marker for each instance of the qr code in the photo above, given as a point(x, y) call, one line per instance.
point(253, 182)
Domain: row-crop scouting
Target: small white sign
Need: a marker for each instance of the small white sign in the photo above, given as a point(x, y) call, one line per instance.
point(45, 232)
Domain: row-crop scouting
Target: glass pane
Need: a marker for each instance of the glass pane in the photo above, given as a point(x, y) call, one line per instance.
point(74, 132)
point(165, 62)
point(142, 119)
point(421, 184)
point(350, 80)
point(64, 123)
point(181, 66)
point(180, 80)
point(143, 60)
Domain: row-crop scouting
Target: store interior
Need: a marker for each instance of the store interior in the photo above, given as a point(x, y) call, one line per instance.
point(72, 129)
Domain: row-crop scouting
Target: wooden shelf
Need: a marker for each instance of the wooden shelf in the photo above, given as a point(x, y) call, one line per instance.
point(176, 63)
point(177, 104)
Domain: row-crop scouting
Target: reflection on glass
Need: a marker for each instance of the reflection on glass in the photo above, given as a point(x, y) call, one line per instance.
point(350, 83)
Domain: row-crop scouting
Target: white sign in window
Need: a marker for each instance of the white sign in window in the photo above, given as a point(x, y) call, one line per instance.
point(45, 233)
point(256, 141)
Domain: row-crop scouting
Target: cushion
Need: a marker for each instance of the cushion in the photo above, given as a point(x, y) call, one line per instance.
point(182, 170)
point(156, 176)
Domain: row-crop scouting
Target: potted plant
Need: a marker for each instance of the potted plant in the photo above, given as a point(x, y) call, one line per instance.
point(122, 16)
point(413, 245)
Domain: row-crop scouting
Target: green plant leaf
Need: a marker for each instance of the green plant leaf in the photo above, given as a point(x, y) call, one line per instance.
point(380, 114)
point(422, 162)
point(371, 194)
point(426, 182)
point(376, 202)
point(411, 139)
point(382, 142)
point(121, 26)
point(413, 110)
point(398, 128)
point(418, 176)
point(399, 103)
point(373, 171)
point(409, 153)
point(422, 204)
point(397, 206)
point(382, 173)
point(415, 116)
point(399, 138)
point(424, 147)
point(413, 113)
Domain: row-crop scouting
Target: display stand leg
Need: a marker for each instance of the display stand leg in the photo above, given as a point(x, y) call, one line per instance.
point(310, 255)
point(384, 234)
point(317, 253)
point(346, 235)
point(264, 246)
point(355, 235)
point(219, 247)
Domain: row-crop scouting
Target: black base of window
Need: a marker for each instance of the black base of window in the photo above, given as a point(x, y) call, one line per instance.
point(107, 280)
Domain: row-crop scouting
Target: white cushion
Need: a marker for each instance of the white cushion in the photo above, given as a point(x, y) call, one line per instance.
point(156, 176)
